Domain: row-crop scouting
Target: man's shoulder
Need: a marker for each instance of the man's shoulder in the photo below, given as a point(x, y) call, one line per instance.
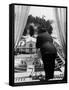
point(43, 34)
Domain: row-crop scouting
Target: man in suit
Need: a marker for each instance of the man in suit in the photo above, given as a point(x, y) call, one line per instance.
point(48, 52)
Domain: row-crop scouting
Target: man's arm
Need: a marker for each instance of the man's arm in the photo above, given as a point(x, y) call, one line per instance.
point(38, 47)
point(38, 42)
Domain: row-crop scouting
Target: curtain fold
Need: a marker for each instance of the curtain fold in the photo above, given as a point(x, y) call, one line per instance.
point(60, 16)
point(21, 15)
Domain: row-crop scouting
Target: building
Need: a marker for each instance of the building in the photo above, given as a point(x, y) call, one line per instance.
point(27, 45)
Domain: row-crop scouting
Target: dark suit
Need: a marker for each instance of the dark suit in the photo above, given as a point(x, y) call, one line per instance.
point(48, 52)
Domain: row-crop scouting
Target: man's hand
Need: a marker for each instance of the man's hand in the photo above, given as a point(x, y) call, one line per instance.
point(39, 53)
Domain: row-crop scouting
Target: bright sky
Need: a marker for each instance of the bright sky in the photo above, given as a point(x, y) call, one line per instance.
point(40, 11)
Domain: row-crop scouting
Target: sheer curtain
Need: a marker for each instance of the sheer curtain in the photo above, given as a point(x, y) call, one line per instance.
point(21, 15)
point(60, 16)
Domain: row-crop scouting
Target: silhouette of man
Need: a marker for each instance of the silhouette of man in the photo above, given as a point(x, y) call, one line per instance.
point(48, 52)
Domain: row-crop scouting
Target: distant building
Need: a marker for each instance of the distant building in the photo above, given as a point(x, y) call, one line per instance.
point(27, 45)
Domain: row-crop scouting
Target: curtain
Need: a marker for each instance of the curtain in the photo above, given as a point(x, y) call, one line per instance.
point(21, 15)
point(60, 16)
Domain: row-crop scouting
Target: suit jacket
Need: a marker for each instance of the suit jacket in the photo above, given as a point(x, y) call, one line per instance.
point(45, 43)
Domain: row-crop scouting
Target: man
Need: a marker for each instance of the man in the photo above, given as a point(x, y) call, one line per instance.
point(48, 52)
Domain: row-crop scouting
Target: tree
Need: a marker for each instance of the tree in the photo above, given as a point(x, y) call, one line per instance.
point(40, 22)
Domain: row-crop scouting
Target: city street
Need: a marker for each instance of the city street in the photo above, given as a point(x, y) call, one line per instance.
point(29, 74)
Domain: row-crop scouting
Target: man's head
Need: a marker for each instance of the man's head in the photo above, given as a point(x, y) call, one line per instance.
point(42, 30)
